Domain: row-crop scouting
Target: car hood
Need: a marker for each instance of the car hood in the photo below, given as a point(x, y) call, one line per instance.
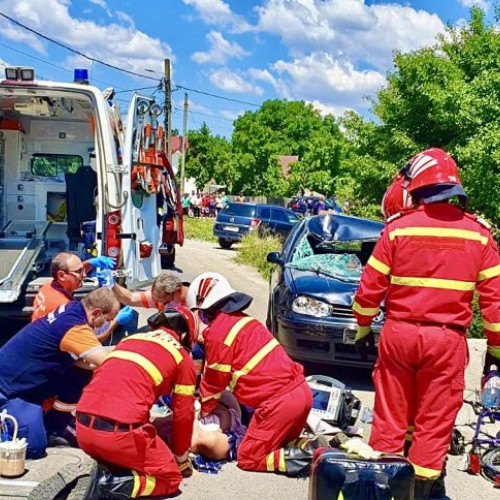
point(322, 287)
point(343, 228)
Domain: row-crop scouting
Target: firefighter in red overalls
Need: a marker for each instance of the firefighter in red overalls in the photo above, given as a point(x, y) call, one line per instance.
point(113, 413)
point(427, 264)
point(243, 355)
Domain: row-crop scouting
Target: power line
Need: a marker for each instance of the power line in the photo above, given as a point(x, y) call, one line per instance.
point(218, 96)
point(93, 59)
point(140, 88)
point(211, 116)
point(44, 61)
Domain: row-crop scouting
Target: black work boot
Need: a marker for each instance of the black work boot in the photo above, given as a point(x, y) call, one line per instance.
point(105, 485)
point(298, 458)
point(438, 490)
point(423, 488)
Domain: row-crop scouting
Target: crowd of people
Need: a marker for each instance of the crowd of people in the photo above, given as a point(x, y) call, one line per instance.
point(430, 258)
point(203, 204)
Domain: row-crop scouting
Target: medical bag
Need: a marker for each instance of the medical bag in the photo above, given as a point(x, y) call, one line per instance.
point(337, 475)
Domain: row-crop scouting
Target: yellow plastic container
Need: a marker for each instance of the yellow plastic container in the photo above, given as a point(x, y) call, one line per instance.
point(12, 458)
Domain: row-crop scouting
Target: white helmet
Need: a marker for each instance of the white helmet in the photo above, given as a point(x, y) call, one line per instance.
point(207, 289)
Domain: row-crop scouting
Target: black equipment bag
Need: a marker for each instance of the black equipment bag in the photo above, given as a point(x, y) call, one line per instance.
point(335, 475)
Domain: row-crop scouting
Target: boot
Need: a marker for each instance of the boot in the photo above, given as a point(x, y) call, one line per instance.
point(423, 488)
point(298, 458)
point(438, 490)
point(104, 485)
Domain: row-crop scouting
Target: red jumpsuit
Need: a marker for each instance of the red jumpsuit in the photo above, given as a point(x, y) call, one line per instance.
point(142, 368)
point(427, 265)
point(242, 354)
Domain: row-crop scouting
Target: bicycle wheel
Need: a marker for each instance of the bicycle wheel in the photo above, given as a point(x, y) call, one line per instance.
point(490, 465)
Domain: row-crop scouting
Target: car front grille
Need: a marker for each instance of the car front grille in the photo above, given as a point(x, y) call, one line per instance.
point(342, 311)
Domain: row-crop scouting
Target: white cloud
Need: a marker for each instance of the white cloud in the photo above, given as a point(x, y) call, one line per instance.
point(125, 18)
point(482, 4)
point(326, 109)
point(219, 13)
point(220, 50)
point(122, 46)
point(103, 5)
point(231, 81)
point(350, 29)
point(231, 115)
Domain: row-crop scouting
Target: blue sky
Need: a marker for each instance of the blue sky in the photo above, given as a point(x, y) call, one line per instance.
point(330, 53)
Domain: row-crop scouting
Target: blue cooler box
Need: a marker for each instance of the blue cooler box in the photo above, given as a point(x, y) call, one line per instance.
point(335, 475)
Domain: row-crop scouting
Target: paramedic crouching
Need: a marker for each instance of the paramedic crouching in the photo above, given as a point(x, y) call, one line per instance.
point(35, 360)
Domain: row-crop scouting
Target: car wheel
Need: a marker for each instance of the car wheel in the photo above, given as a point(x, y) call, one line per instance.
point(225, 243)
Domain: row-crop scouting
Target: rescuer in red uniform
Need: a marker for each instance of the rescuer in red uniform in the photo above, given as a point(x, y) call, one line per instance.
point(242, 354)
point(427, 264)
point(113, 413)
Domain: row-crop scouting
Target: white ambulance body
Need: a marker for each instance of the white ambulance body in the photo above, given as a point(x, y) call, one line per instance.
point(66, 163)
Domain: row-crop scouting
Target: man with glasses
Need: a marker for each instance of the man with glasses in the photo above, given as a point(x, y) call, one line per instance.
point(41, 355)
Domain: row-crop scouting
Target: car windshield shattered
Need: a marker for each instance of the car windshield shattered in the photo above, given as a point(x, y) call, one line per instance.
point(334, 259)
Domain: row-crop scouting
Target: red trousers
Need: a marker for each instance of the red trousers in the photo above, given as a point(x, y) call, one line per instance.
point(274, 425)
point(419, 382)
point(140, 450)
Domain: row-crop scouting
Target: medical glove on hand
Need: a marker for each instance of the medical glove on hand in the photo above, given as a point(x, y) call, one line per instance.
point(185, 466)
point(125, 315)
point(364, 341)
point(103, 262)
point(358, 447)
point(105, 278)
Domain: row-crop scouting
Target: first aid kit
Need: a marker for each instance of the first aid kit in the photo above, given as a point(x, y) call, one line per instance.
point(339, 475)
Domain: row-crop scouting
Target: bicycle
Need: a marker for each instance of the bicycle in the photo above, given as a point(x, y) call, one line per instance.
point(484, 456)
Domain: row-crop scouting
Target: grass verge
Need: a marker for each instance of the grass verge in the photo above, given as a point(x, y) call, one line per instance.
point(199, 229)
point(253, 251)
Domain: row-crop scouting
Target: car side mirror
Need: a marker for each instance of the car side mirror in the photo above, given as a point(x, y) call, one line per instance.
point(274, 258)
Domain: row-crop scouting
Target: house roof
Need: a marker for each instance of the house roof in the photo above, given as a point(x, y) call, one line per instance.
point(176, 143)
point(285, 162)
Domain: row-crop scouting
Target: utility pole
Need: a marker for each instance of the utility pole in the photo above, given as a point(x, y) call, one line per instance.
point(168, 111)
point(184, 140)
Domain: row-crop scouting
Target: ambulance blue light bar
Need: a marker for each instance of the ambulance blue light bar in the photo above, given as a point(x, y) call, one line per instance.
point(19, 74)
point(81, 75)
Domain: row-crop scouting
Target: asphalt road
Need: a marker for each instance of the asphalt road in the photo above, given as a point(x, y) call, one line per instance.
point(232, 483)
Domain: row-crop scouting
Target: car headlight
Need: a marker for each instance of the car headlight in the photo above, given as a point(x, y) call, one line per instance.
point(311, 307)
point(379, 318)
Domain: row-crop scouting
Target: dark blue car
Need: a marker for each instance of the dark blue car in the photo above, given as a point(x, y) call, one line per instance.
point(312, 286)
point(238, 219)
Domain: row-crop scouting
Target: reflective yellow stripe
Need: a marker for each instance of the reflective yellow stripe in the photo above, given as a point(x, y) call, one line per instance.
point(176, 354)
point(492, 327)
point(409, 437)
point(410, 429)
point(140, 360)
point(491, 272)
point(439, 232)
point(363, 331)
point(270, 462)
point(256, 359)
point(149, 486)
point(220, 368)
point(185, 390)
point(378, 266)
point(365, 311)
point(494, 351)
point(65, 407)
point(425, 472)
point(282, 466)
point(137, 485)
point(464, 286)
point(236, 329)
point(213, 396)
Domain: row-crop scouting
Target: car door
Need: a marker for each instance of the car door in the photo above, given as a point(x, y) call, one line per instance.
point(280, 222)
point(140, 213)
point(265, 216)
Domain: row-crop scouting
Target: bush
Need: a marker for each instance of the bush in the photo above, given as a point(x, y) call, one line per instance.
point(199, 229)
point(253, 251)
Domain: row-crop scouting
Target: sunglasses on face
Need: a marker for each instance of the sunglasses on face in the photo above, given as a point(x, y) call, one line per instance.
point(77, 272)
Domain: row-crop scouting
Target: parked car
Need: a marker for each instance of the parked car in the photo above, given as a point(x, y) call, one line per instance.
point(304, 205)
point(312, 286)
point(238, 219)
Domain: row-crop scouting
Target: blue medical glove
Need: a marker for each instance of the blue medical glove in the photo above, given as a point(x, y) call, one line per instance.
point(105, 278)
point(103, 262)
point(125, 315)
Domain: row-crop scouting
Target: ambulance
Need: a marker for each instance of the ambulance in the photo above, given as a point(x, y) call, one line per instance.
point(76, 177)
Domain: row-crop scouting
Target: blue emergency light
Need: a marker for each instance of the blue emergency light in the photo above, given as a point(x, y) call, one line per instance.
point(81, 76)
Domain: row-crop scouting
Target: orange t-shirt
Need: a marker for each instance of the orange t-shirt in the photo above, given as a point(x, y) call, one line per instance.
point(49, 298)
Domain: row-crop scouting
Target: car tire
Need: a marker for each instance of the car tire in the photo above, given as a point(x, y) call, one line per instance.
point(225, 243)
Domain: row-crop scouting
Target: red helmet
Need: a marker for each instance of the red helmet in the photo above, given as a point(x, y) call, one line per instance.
point(396, 198)
point(430, 168)
point(180, 320)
